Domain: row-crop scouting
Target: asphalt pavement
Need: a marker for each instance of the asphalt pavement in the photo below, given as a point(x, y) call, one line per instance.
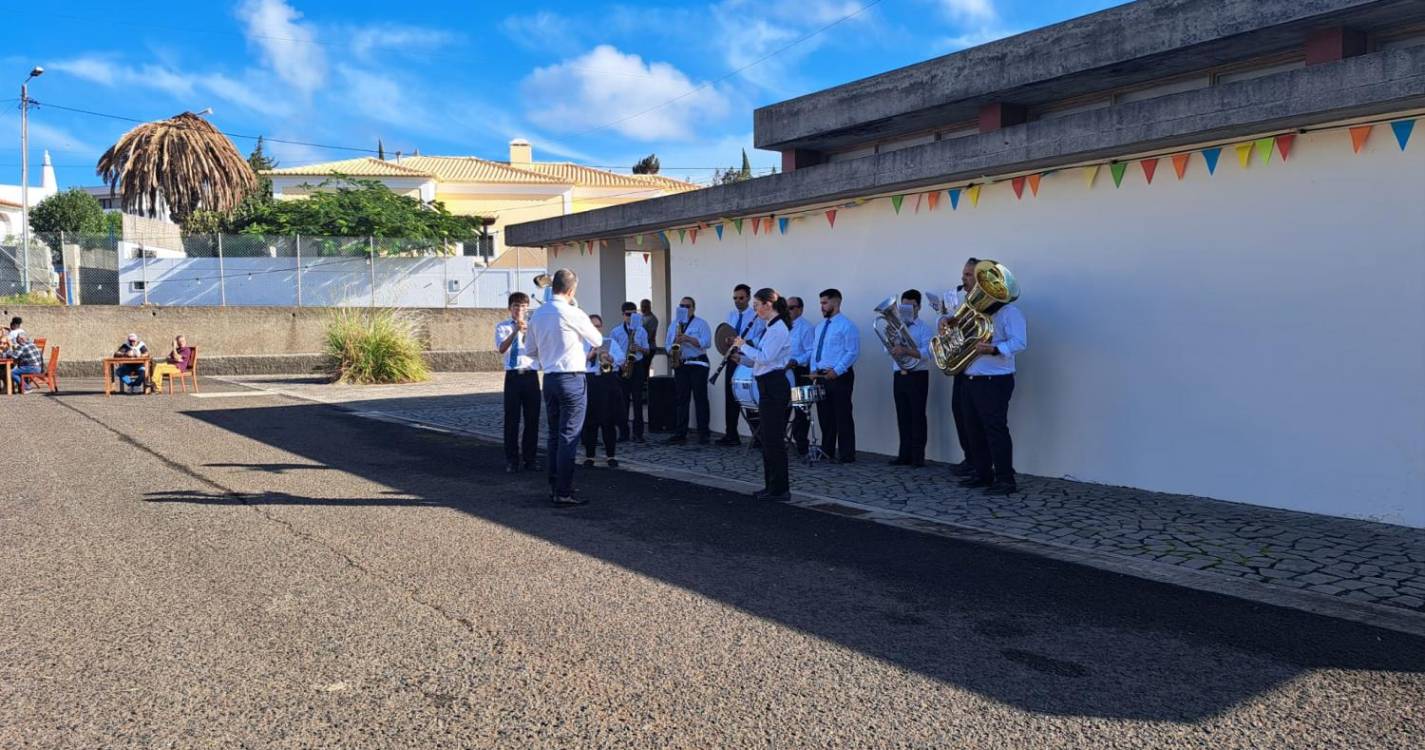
point(245, 570)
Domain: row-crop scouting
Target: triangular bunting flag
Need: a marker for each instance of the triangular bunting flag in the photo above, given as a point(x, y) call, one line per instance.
point(604, 244)
point(1150, 168)
point(1210, 155)
point(896, 201)
point(1034, 183)
point(682, 235)
point(1180, 164)
point(1244, 154)
point(974, 192)
point(934, 198)
point(1090, 174)
point(638, 240)
point(767, 225)
point(1359, 136)
point(667, 237)
point(555, 250)
point(756, 226)
point(645, 257)
point(1403, 129)
point(954, 199)
point(1118, 168)
point(1263, 147)
point(737, 223)
point(693, 234)
point(782, 223)
point(718, 229)
point(918, 198)
point(1284, 144)
point(1018, 185)
point(831, 218)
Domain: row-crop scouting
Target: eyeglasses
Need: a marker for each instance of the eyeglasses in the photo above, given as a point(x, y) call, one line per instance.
point(794, 307)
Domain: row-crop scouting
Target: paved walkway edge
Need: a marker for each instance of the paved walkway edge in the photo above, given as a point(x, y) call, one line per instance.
point(1376, 615)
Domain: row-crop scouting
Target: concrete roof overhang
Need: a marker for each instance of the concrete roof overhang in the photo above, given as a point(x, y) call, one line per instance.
point(1377, 83)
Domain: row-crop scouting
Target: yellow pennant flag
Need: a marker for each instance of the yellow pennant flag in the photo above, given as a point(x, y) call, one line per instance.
point(1244, 154)
point(1090, 174)
point(974, 192)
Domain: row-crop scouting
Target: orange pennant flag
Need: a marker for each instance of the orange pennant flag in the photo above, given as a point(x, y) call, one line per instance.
point(1284, 144)
point(694, 234)
point(1034, 184)
point(1150, 167)
point(1180, 163)
point(767, 224)
point(1018, 184)
point(831, 218)
point(1359, 135)
point(934, 198)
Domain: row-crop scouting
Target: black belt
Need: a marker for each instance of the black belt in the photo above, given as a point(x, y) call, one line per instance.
point(529, 371)
point(989, 377)
point(909, 372)
point(699, 358)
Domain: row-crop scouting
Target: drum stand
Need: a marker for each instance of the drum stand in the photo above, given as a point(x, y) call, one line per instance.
point(814, 451)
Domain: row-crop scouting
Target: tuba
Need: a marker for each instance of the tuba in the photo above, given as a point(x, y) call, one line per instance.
point(893, 332)
point(970, 324)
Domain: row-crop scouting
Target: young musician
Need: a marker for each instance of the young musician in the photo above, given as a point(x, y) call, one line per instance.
point(691, 377)
point(650, 325)
point(521, 386)
point(836, 345)
point(769, 358)
point(740, 319)
point(989, 383)
point(556, 335)
point(632, 338)
point(802, 338)
point(911, 388)
point(966, 467)
point(605, 400)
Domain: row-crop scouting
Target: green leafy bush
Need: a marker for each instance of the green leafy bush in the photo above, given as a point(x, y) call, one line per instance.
point(29, 298)
point(374, 346)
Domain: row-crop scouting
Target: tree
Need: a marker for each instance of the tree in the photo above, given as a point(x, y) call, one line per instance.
point(733, 174)
point(259, 160)
point(647, 165)
point(183, 164)
point(71, 211)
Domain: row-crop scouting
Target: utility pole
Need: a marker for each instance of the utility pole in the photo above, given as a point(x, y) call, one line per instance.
point(36, 72)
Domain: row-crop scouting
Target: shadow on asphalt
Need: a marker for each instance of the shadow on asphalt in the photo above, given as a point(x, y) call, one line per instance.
point(1042, 635)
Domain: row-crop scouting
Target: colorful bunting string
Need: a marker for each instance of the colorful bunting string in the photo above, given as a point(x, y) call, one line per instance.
point(693, 234)
point(738, 224)
point(1034, 183)
point(767, 225)
point(933, 197)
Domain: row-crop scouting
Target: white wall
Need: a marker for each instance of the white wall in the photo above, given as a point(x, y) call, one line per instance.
point(1257, 335)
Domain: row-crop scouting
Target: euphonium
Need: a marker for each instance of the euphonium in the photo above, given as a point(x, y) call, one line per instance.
point(606, 363)
point(893, 332)
point(970, 324)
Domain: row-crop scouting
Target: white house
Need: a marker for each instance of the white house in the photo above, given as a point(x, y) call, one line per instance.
point(11, 205)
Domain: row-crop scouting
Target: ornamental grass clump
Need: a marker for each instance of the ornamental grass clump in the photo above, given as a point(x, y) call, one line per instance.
point(374, 346)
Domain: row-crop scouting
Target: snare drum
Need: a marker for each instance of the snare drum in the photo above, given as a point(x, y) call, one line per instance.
point(806, 395)
point(744, 387)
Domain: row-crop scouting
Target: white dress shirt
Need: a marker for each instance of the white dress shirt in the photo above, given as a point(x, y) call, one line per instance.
point(921, 333)
point(746, 316)
point(640, 337)
point(838, 342)
point(522, 360)
point(556, 333)
point(1011, 337)
point(770, 352)
point(697, 328)
point(616, 352)
point(802, 331)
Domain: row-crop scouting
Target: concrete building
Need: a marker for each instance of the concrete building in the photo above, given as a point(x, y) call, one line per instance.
point(1213, 208)
point(11, 205)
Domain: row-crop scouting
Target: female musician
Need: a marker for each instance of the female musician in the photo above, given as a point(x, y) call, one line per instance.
point(768, 359)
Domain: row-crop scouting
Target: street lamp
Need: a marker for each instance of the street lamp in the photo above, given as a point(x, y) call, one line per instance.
point(36, 72)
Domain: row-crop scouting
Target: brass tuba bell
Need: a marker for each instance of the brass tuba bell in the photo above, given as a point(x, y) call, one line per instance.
point(893, 332)
point(970, 324)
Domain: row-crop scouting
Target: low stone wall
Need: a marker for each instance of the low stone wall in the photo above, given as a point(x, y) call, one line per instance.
point(243, 340)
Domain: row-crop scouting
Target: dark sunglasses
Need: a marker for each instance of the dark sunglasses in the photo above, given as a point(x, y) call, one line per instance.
point(686, 307)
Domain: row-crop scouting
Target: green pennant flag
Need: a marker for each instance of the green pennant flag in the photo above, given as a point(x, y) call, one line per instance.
point(737, 223)
point(682, 235)
point(1263, 147)
point(1118, 168)
point(896, 201)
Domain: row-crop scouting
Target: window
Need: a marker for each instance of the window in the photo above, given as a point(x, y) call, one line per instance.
point(136, 286)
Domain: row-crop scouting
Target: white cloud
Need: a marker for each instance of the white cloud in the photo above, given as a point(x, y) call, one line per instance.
point(367, 40)
point(606, 85)
point(58, 140)
point(544, 32)
point(189, 89)
point(382, 98)
point(980, 11)
point(750, 30)
point(289, 48)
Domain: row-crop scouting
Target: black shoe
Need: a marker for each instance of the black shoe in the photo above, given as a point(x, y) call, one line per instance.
point(639, 439)
point(1002, 488)
point(756, 445)
point(729, 442)
point(678, 440)
point(568, 501)
point(512, 468)
point(976, 482)
point(589, 461)
point(898, 462)
point(623, 438)
point(962, 469)
point(612, 463)
point(919, 463)
point(771, 497)
point(850, 460)
point(704, 439)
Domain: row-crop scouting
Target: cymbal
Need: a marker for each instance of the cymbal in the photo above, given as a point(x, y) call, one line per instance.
point(722, 338)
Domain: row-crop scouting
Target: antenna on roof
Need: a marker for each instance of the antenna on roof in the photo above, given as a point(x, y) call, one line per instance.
point(380, 150)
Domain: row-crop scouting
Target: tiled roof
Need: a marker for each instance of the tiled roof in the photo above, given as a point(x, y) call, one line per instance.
point(8, 204)
point(474, 169)
point(589, 177)
point(363, 167)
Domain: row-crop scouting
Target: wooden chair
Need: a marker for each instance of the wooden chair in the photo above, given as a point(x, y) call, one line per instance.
point(50, 375)
point(191, 372)
point(40, 344)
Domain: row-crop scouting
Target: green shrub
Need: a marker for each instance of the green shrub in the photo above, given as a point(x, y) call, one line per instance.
point(33, 297)
point(374, 346)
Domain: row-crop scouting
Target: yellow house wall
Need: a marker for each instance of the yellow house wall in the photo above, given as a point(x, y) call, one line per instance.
point(506, 209)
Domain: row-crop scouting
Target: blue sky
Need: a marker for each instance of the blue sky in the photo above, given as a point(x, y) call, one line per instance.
point(592, 82)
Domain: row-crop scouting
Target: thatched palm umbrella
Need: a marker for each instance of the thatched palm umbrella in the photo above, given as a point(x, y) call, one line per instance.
point(182, 164)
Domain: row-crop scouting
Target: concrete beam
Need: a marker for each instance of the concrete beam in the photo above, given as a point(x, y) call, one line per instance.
point(999, 115)
point(1377, 83)
point(1334, 44)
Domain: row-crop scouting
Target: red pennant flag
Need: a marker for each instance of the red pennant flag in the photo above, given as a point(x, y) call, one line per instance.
point(934, 198)
point(1018, 184)
point(645, 257)
point(1359, 135)
point(1180, 163)
point(831, 218)
point(1284, 144)
point(694, 234)
point(1150, 167)
point(1034, 184)
point(756, 225)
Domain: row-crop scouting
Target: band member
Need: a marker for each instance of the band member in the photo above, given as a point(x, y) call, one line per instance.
point(605, 399)
point(837, 344)
point(769, 358)
point(989, 383)
point(632, 339)
point(650, 325)
point(521, 386)
point(556, 335)
point(966, 467)
point(693, 336)
point(802, 338)
point(739, 319)
point(911, 388)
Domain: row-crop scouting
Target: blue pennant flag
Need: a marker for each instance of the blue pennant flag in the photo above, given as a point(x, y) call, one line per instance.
point(782, 222)
point(1210, 155)
point(1403, 129)
point(954, 199)
point(718, 229)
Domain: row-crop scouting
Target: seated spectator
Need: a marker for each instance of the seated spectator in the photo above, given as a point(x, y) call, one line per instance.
point(180, 358)
point(27, 360)
point(14, 330)
point(132, 377)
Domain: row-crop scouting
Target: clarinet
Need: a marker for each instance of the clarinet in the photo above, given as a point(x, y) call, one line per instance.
point(713, 380)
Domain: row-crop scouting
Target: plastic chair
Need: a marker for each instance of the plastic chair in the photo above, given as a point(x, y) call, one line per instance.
point(50, 375)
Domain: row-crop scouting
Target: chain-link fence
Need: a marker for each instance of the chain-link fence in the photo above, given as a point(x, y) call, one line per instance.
point(248, 269)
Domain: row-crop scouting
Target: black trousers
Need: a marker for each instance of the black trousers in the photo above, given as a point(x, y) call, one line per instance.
point(911, 391)
point(801, 420)
point(958, 393)
point(730, 408)
point(631, 397)
point(691, 384)
point(987, 422)
point(774, 397)
point(602, 416)
point(838, 428)
point(521, 402)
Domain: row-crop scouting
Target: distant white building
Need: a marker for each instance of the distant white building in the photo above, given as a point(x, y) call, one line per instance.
point(11, 199)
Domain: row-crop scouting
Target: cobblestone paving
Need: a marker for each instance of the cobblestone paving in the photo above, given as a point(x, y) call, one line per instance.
point(1354, 560)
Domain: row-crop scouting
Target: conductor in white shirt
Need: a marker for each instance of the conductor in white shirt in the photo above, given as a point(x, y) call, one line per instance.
point(556, 335)
point(768, 358)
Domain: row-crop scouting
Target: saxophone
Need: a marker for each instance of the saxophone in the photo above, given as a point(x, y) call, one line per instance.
point(675, 352)
point(626, 370)
point(971, 324)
